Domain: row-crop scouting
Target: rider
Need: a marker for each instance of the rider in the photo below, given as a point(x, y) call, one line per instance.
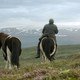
point(49, 29)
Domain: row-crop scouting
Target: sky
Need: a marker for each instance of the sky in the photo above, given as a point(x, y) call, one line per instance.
point(36, 13)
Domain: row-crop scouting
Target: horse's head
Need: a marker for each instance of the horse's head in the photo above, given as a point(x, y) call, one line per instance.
point(3, 36)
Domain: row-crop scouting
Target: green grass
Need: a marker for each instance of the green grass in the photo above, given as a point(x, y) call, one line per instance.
point(65, 67)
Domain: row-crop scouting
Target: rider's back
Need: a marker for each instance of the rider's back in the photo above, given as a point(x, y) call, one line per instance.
point(50, 29)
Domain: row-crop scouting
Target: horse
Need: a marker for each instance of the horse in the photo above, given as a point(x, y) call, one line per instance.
point(48, 47)
point(11, 47)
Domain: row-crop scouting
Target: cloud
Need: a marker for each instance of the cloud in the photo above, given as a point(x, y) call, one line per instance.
point(37, 12)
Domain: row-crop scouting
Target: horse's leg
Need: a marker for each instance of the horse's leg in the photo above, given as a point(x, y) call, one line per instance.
point(43, 53)
point(6, 61)
point(5, 58)
point(15, 67)
point(9, 58)
point(45, 59)
point(43, 56)
point(6, 66)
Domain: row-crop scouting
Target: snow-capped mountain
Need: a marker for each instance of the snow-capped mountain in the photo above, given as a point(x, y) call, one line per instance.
point(30, 37)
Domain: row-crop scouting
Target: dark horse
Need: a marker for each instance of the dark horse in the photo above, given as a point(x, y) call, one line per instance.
point(48, 48)
point(11, 47)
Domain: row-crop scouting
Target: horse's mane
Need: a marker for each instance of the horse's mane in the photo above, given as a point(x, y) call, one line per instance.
point(3, 34)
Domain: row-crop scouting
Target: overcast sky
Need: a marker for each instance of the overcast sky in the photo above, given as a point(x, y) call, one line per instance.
point(36, 13)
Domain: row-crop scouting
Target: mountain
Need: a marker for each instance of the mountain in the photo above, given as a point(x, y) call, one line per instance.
point(69, 36)
point(30, 38)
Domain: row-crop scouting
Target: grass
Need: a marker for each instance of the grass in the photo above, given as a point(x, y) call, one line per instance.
point(65, 67)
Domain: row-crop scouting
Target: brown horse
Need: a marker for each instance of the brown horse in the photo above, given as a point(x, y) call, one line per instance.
point(11, 47)
point(48, 48)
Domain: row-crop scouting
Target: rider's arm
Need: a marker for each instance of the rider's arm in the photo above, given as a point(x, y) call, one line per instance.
point(56, 29)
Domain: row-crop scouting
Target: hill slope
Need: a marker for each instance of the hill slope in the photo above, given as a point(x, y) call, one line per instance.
point(65, 67)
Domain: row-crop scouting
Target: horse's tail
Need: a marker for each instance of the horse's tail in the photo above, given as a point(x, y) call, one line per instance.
point(46, 47)
point(16, 51)
point(54, 51)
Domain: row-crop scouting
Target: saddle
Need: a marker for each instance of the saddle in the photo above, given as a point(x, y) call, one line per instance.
point(48, 36)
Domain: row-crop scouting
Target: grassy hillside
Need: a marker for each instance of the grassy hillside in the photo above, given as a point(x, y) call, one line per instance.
point(65, 67)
